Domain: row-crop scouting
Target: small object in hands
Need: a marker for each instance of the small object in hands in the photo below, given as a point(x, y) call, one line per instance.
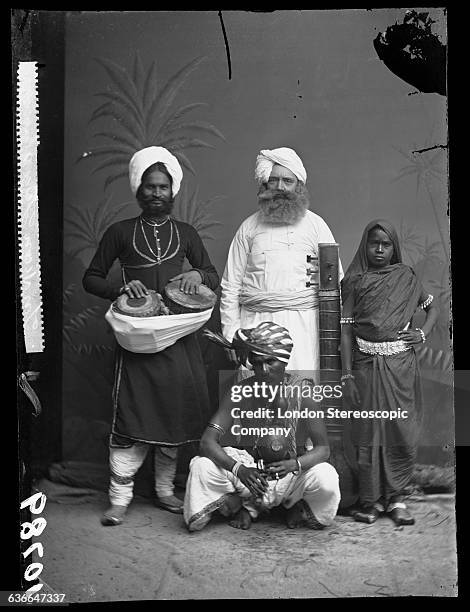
point(150, 305)
point(180, 302)
point(272, 448)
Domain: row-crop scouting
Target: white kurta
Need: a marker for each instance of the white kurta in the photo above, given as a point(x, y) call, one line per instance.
point(271, 260)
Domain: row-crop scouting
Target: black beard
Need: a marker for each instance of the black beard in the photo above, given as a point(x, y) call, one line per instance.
point(281, 207)
point(150, 211)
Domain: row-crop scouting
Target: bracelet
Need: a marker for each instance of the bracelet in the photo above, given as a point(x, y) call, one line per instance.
point(235, 467)
point(423, 337)
point(217, 427)
point(427, 302)
point(345, 320)
point(346, 376)
point(299, 465)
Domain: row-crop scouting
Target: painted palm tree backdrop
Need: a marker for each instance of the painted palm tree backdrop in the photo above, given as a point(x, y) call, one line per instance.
point(140, 114)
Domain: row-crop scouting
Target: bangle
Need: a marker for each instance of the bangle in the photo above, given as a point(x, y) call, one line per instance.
point(217, 427)
point(299, 465)
point(427, 302)
point(423, 337)
point(235, 467)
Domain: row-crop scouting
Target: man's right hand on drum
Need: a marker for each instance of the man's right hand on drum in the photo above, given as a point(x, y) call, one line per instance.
point(134, 289)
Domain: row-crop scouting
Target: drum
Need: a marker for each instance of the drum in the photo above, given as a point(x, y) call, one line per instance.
point(179, 302)
point(147, 306)
point(271, 448)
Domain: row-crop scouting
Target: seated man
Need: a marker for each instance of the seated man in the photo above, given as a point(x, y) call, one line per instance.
point(229, 479)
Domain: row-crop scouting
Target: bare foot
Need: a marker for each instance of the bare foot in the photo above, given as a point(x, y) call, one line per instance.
point(232, 504)
point(242, 519)
point(295, 516)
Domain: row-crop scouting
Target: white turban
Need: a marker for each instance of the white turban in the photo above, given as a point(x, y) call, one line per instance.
point(145, 158)
point(284, 157)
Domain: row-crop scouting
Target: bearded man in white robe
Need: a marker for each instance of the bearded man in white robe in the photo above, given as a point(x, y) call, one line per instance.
point(266, 273)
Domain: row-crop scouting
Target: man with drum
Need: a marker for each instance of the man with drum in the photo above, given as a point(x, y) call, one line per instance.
point(267, 270)
point(160, 399)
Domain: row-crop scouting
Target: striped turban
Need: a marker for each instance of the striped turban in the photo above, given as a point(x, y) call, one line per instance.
point(266, 339)
point(283, 157)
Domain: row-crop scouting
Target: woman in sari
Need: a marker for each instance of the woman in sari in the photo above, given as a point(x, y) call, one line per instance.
point(380, 370)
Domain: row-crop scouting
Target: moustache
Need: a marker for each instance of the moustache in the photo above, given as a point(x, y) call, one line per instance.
point(276, 194)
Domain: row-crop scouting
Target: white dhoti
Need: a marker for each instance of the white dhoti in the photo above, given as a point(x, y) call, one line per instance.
point(208, 486)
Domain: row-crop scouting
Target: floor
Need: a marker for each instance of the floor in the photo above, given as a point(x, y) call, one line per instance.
point(152, 556)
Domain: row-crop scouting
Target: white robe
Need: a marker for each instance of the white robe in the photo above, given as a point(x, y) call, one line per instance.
point(272, 259)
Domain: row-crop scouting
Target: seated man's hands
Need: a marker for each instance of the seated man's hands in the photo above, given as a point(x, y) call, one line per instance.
point(189, 281)
point(281, 468)
point(253, 479)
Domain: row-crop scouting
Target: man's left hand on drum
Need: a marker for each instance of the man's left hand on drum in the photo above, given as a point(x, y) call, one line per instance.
point(135, 289)
point(189, 281)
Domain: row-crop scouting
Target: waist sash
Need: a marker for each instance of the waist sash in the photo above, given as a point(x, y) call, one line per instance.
point(256, 301)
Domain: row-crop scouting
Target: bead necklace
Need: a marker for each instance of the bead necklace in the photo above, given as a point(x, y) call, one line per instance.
point(158, 254)
point(160, 257)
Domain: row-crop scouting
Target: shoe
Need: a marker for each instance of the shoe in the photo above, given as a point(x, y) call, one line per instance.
point(367, 514)
point(170, 503)
point(114, 515)
point(400, 515)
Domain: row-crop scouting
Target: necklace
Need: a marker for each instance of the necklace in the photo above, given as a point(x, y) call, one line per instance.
point(160, 257)
point(155, 224)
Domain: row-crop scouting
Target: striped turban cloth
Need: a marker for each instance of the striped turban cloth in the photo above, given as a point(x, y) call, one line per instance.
point(266, 339)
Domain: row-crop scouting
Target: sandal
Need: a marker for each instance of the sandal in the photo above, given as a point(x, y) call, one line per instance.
point(170, 503)
point(399, 514)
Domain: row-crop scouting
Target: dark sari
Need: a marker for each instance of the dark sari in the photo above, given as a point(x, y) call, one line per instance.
point(385, 300)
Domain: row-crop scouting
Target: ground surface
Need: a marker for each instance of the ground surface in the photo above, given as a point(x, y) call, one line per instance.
point(152, 556)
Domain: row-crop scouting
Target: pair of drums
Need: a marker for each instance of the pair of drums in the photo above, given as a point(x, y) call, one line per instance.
point(176, 300)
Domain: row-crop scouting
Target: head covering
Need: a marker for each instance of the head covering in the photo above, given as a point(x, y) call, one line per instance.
point(266, 339)
point(145, 158)
point(284, 157)
point(360, 263)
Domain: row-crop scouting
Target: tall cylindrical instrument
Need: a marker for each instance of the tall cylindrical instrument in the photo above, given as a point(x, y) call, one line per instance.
point(329, 303)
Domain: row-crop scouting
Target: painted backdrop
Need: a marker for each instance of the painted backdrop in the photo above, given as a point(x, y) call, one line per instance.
point(310, 80)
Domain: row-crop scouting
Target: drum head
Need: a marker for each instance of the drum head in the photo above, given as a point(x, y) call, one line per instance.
point(203, 300)
point(148, 306)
